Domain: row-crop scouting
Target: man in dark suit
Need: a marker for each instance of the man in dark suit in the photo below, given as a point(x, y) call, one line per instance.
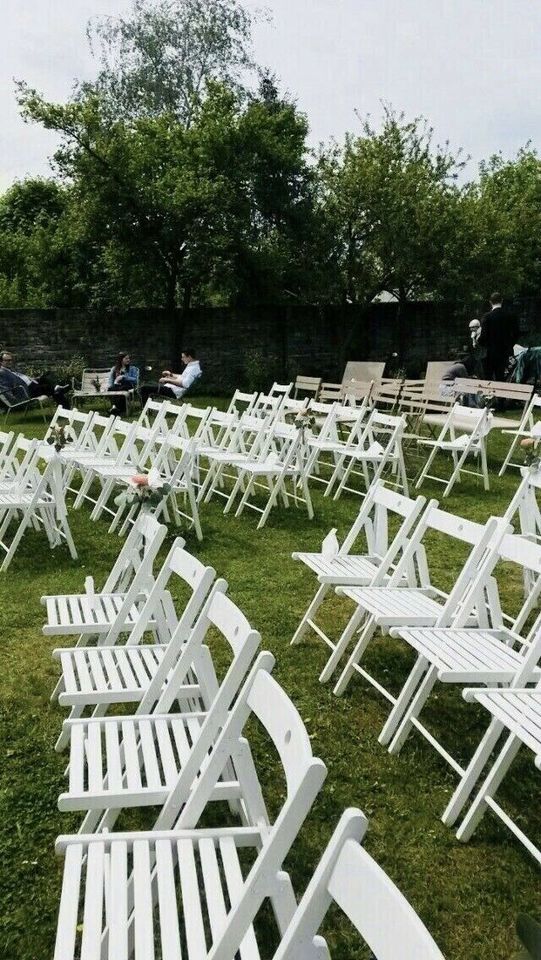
point(499, 331)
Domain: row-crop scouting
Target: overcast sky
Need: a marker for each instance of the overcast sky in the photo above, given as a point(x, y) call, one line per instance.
point(472, 67)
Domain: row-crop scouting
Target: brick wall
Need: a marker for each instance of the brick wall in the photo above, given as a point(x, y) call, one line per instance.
point(232, 342)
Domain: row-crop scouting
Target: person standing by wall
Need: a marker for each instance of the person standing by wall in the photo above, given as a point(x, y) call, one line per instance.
point(499, 332)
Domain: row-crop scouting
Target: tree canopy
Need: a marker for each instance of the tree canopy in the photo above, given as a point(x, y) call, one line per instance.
point(184, 175)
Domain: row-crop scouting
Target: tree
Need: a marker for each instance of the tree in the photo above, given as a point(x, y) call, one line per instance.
point(160, 58)
point(394, 202)
point(506, 204)
point(220, 205)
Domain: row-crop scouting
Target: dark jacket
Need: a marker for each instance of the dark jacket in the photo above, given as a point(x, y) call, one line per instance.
point(10, 382)
point(499, 331)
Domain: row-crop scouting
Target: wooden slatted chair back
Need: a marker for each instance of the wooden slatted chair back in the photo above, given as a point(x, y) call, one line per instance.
point(349, 877)
point(307, 385)
point(363, 370)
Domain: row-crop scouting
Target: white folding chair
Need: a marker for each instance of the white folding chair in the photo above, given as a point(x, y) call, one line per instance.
point(475, 425)
point(458, 655)
point(242, 403)
point(516, 715)
point(379, 448)
point(156, 887)
point(141, 756)
point(34, 499)
point(349, 877)
point(92, 614)
point(115, 673)
point(528, 429)
point(280, 389)
point(376, 564)
point(281, 461)
point(245, 443)
point(421, 603)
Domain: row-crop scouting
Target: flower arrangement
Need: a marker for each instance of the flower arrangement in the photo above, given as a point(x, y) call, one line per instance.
point(146, 489)
point(96, 383)
point(531, 457)
point(305, 420)
point(59, 438)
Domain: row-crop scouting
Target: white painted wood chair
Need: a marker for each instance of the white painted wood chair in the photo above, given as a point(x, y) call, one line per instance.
point(516, 717)
point(157, 888)
point(307, 385)
point(380, 556)
point(116, 446)
point(34, 499)
point(281, 462)
point(458, 655)
point(280, 389)
point(114, 672)
point(340, 428)
point(528, 429)
point(421, 603)
point(242, 402)
point(379, 449)
point(138, 458)
point(92, 614)
point(136, 760)
point(174, 462)
point(244, 444)
point(463, 434)
point(350, 878)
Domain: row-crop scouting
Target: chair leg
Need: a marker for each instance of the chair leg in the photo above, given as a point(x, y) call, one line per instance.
point(313, 607)
point(472, 773)
point(342, 645)
point(416, 705)
point(367, 633)
point(489, 787)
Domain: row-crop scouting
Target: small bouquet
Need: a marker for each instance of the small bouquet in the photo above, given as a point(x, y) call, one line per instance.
point(96, 383)
point(531, 457)
point(305, 420)
point(59, 438)
point(146, 489)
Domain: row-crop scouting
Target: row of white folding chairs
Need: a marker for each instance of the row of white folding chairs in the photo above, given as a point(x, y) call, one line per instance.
point(118, 880)
point(30, 497)
point(462, 636)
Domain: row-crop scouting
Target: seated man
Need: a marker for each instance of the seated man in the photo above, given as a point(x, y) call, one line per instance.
point(173, 386)
point(23, 387)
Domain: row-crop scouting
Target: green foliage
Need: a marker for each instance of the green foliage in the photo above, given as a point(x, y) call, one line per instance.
point(259, 369)
point(160, 57)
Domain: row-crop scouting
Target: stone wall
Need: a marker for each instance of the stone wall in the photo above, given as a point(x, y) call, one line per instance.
point(240, 346)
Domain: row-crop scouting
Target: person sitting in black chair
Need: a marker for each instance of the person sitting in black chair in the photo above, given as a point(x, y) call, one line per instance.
point(21, 385)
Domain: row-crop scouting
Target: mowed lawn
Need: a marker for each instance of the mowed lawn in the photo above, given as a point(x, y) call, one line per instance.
point(468, 895)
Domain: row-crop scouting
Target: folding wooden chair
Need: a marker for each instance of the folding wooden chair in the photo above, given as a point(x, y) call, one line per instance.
point(155, 888)
point(463, 434)
point(528, 428)
point(375, 565)
point(280, 462)
point(349, 877)
point(516, 715)
point(91, 614)
point(378, 449)
point(34, 499)
point(457, 655)
point(308, 386)
point(420, 603)
point(117, 672)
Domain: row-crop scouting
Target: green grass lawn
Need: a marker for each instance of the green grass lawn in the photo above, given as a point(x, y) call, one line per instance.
point(468, 895)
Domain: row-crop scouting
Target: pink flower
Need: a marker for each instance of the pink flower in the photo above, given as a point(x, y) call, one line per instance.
point(140, 480)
